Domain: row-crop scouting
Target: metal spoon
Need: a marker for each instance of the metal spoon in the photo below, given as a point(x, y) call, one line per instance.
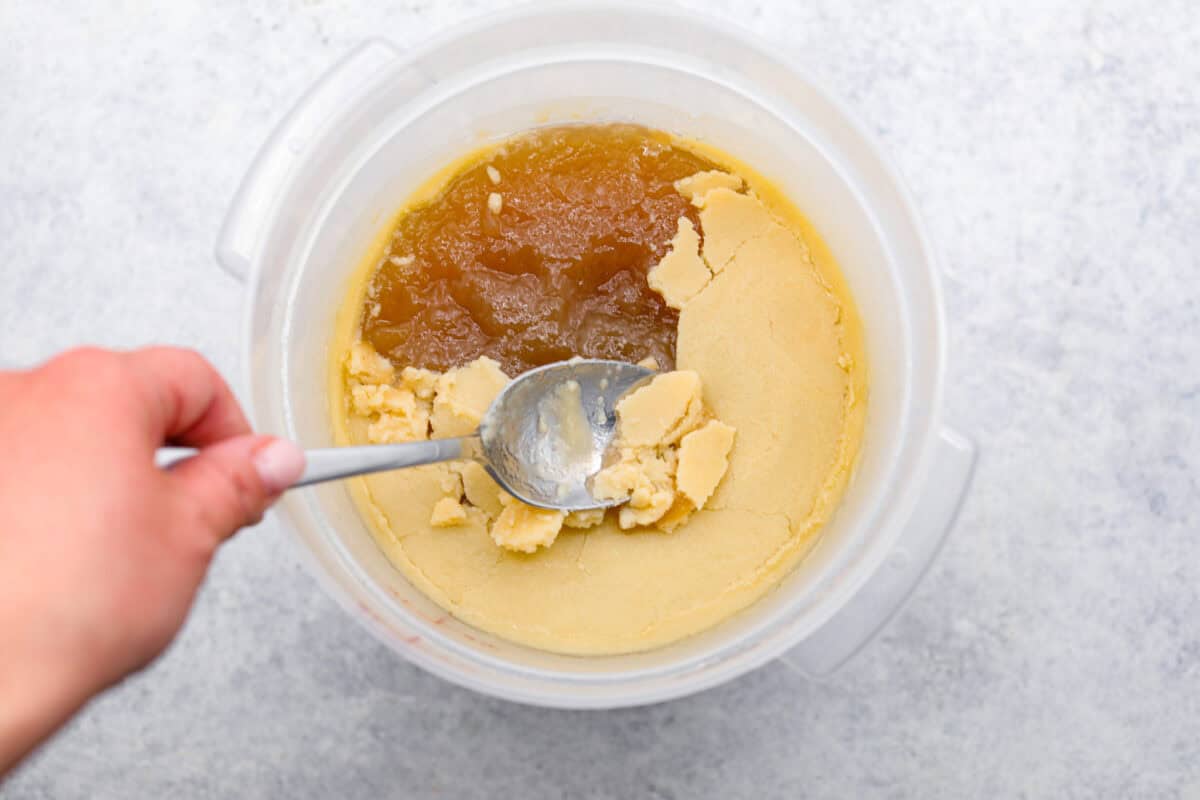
point(541, 439)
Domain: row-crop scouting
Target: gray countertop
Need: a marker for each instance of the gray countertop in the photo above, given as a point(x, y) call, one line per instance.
point(1053, 651)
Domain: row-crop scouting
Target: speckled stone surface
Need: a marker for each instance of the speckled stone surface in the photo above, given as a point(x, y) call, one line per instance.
point(1053, 651)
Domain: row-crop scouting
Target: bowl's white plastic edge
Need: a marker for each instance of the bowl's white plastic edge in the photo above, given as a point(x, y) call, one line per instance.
point(886, 592)
point(253, 206)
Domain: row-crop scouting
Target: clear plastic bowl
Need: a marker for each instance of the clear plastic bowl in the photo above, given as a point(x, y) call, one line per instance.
point(381, 122)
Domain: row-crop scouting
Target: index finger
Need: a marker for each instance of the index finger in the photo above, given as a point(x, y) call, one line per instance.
point(190, 403)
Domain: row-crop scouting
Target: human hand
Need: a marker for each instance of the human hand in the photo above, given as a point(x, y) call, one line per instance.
point(101, 552)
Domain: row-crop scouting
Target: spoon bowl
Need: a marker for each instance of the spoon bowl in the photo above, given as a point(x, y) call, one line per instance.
point(545, 435)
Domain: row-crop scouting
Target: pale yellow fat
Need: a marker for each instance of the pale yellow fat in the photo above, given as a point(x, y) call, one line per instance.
point(696, 187)
point(703, 461)
point(463, 395)
point(652, 414)
point(778, 344)
point(681, 273)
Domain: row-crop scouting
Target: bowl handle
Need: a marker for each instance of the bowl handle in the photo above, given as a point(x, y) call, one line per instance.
point(274, 166)
point(855, 624)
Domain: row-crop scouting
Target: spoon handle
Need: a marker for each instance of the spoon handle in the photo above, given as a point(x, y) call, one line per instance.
point(331, 463)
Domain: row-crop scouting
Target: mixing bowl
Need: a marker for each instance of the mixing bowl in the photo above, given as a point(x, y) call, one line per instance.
point(382, 121)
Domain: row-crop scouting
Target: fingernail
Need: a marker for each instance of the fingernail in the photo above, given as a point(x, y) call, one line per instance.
point(279, 464)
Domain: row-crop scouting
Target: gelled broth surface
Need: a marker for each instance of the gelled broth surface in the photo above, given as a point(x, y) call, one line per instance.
point(560, 271)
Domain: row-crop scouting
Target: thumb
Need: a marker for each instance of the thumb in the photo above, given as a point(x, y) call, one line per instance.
point(231, 483)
